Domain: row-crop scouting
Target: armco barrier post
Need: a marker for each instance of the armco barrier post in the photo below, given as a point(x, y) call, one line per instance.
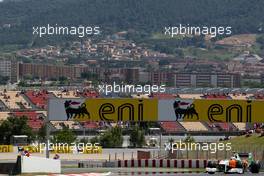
point(187, 153)
point(80, 165)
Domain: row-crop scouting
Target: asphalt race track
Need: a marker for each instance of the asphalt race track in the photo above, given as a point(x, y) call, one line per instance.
point(138, 171)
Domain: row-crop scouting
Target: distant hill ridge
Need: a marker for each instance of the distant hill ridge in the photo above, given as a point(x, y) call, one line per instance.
point(143, 15)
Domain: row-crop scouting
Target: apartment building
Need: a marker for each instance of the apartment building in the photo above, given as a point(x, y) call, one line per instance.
point(47, 72)
point(161, 77)
point(207, 80)
point(132, 75)
point(5, 67)
point(8, 68)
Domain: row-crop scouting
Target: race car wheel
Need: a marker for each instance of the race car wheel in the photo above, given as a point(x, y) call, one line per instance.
point(211, 164)
point(255, 167)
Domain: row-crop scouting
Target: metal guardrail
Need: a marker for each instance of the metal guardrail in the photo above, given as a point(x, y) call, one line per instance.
point(91, 164)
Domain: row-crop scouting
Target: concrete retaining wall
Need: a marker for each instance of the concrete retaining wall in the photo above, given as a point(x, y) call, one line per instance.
point(40, 165)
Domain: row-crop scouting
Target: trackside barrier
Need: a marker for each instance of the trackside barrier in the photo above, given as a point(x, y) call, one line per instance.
point(165, 163)
point(93, 150)
point(33, 149)
point(31, 165)
point(39, 165)
point(61, 149)
point(6, 148)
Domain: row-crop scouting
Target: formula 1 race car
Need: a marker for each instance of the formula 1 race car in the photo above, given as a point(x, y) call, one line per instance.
point(234, 165)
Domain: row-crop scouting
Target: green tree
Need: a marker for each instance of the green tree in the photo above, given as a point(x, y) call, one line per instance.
point(260, 39)
point(253, 84)
point(64, 136)
point(95, 140)
point(112, 138)
point(179, 52)
point(4, 80)
point(41, 135)
point(89, 76)
point(22, 84)
point(63, 80)
point(15, 126)
point(84, 140)
point(28, 77)
point(74, 60)
point(189, 139)
point(137, 137)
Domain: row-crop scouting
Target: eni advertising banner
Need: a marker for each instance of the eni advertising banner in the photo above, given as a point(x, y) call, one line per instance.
point(228, 110)
point(6, 148)
point(103, 109)
point(212, 110)
point(118, 109)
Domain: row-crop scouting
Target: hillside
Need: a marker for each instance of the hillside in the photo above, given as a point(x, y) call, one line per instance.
point(243, 39)
point(145, 16)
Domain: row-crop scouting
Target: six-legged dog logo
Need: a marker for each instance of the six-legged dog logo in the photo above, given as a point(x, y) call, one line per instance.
point(73, 112)
point(188, 112)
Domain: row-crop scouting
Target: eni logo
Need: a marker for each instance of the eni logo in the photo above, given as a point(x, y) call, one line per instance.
point(108, 108)
point(217, 109)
